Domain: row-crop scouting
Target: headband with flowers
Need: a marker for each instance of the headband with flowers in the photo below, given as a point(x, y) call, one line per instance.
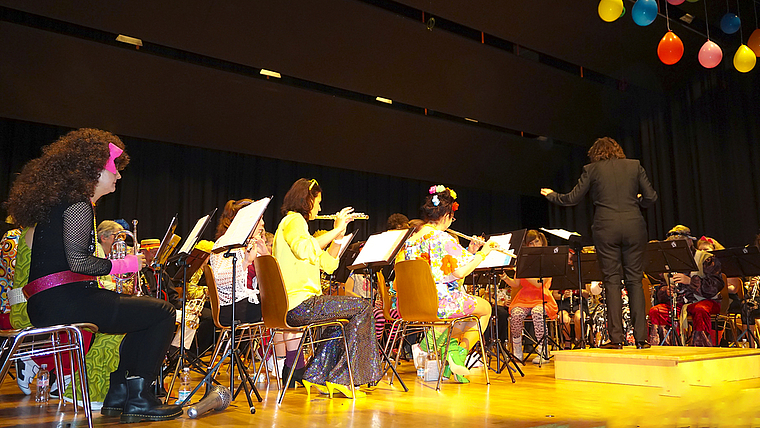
point(439, 188)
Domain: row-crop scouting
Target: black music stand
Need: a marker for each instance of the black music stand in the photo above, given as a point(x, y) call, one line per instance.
point(188, 257)
point(741, 262)
point(237, 236)
point(492, 267)
point(380, 251)
point(542, 262)
point(667, 257)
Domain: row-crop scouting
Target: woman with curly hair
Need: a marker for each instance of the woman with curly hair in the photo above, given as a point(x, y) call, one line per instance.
point(54, 196)
point(619, 189)
point(301, 256)
point(449, 263)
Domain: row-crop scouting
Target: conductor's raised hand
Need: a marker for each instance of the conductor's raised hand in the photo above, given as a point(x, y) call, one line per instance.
point(343, 218)
point(546, 191)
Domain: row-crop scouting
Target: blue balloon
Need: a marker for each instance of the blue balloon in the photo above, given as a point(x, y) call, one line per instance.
point(730, 23)
point(644, 12)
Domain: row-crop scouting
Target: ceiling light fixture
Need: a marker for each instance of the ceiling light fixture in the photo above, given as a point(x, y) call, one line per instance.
point(270, 73)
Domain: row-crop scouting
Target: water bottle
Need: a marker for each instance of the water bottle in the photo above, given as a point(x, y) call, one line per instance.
point(184, 385)
point(420, 363)
point(42, 395)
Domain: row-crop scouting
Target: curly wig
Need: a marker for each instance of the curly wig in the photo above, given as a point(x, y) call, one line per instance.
point(300, 197)
point(605, 148)
point(68, 170)
point(431, 212)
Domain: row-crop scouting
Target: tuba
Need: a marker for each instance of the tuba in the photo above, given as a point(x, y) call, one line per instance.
point(119, 250)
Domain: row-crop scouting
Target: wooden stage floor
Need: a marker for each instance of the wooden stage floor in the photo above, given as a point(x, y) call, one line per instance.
point(537, 400)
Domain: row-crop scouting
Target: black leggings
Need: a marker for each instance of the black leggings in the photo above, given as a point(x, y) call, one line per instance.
point(148, 322)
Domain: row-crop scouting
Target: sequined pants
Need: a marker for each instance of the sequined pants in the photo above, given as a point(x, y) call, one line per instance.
point(329, 361)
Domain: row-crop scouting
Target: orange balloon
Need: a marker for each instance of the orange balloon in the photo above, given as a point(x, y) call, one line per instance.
point(754, 42)
point(670, 49)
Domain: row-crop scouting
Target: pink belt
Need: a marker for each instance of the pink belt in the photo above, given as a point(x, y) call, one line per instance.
point(54, 280)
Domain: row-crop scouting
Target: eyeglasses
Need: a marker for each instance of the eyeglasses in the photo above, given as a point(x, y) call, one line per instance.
point(313, 183)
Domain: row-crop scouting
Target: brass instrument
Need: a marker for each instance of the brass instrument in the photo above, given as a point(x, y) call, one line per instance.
point(482, 242)
point(353, 216)
point(753, 285)
point(119, 251)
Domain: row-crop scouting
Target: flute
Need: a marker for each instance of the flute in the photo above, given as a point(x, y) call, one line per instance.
point(480, 241)
point(354, 216)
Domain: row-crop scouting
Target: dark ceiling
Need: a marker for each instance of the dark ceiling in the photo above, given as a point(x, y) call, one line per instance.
point(195, 82)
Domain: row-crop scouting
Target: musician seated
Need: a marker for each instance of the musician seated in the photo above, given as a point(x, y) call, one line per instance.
point(570, 304)
point(530, 298)
point(747, 308)
point(699, 291)
point(449, 264)
point(247, 305)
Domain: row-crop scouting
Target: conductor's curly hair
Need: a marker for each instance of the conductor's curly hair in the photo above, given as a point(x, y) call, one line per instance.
point(67, 171)
point(605, 148)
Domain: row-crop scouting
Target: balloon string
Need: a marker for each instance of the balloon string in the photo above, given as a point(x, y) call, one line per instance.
point(738, 13)
point(707, 22)
point(667, 16)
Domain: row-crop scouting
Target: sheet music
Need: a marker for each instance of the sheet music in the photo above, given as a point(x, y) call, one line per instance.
point(192, 238)
point(344, 242)
point(497, 258)
point(562, 233)
point(242, 225)
point(379, 248)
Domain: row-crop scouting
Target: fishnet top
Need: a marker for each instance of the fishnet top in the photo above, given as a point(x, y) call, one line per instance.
point(67, 242)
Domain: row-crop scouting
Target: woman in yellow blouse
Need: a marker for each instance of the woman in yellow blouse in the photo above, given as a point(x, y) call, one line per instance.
point(301, 257)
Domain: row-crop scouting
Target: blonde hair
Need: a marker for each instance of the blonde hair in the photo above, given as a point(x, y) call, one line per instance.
point(107, 228)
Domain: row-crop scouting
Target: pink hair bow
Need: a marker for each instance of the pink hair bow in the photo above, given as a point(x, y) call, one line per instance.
point(115, 152)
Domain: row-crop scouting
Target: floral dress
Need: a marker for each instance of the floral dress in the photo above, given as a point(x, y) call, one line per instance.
point(444, 254)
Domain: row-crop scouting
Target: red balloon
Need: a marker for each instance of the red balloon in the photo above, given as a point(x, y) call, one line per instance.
point(754, 42)
point(670, 49)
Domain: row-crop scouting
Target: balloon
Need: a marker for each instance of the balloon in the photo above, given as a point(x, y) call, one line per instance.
point(744, 59)
point(622, 13)
point(692, 1)
point(610, 10)
point(670, 49)
point(730, 23)
point(644, 12)
point(754, 42)
point(675, 2)
point(710, 54)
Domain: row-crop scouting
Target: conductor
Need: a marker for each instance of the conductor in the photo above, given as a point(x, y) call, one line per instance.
point(619, 189)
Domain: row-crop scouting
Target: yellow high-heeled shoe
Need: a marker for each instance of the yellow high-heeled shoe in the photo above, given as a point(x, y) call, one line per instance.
point(321, 388)
point(345, 390)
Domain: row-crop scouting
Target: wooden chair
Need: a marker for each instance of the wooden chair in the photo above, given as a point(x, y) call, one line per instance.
point(274, 309)
point(251, 332)
point(417, 301)
point(37, 342)
point(396, 324)
point(714, 319)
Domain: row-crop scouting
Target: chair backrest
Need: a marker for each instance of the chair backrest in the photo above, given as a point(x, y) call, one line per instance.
point(274, 299)
point(416, 295)
point(385, 296)
point(213, 295)
point(725, 301)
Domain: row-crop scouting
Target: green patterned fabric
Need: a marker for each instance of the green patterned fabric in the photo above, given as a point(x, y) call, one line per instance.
point(101, 360)
point(19, 317)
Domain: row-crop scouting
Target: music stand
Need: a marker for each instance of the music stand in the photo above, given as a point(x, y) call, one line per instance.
point(237, 235)
point(379, 251)
point(492, 266)
point(667, 257)
point(542, 262)
point(740, 262)
point(187, 258)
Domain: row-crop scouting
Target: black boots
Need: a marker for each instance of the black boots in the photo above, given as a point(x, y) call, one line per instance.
point(135, 401)
point(297, 376)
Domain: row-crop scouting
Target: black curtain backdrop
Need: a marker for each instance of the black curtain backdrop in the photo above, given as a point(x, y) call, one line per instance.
point(699, 146)
point(163, 179)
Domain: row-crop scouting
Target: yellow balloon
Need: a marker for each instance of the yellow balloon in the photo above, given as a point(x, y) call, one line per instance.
point(610, 10)
point(744, 59)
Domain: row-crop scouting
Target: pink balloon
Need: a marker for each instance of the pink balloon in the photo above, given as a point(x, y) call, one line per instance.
point(710, 55)
point(675, 2)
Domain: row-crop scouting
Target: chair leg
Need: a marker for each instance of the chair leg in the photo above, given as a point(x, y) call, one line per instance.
point(441, 357)
point(398, 354)
point(348, 361)
point(290, 375)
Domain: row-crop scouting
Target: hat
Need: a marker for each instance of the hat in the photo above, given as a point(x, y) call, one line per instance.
point(149, 244)
point(204, 246)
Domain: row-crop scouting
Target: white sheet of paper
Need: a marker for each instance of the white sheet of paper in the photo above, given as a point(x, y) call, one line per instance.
point(497, 258)
point(344, 242)
point(562, 233)
point(378, 247)
point(242, 225)
point(191, 239)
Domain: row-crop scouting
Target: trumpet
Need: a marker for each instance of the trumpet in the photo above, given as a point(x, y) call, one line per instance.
point(353, 216)
point(119, 251)
point(481, 242)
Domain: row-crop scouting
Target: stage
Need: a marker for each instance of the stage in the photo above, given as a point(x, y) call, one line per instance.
point(538, 399)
